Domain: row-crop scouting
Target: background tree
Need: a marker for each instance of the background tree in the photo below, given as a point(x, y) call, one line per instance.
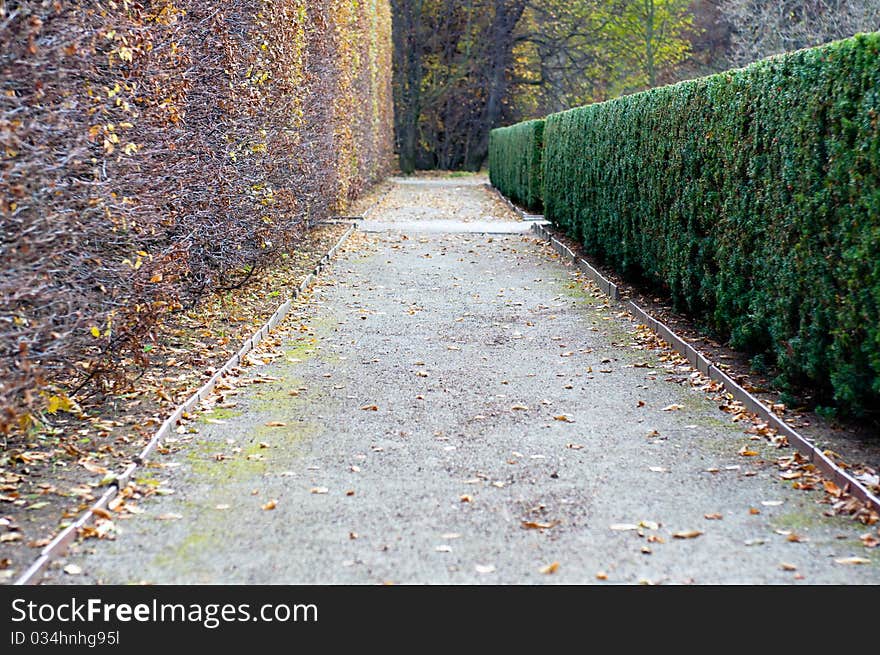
point(645, 40)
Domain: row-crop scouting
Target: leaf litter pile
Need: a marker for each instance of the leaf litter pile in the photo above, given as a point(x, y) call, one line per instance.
point(57, 470)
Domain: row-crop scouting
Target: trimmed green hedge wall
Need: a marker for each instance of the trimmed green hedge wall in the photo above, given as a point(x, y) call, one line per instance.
point(515, 162)
point(754, 197)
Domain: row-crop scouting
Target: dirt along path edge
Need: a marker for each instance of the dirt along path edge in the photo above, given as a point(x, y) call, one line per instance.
point(115, 482)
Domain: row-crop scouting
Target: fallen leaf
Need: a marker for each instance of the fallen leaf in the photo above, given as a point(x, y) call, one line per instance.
point(73, 569)
point(574, 446)
point(745, 452)
point(649, 525)
point(276, 424)
point(537, 525)
point(658, 469)
point(646, 550)
point(852, 560)
point(519, 408)
point(170, 516)
point(796, 538)
point(672, 408)
point(754, 511)
point(91, 467)
point(272, 504)
point(465, 498)
point(601, 575)
point(869, 540)
point(785, 566)
point(9, 537)
point(713, 517)
point(319, 490)
point(550, 569)
point(564, 418)
point(370, 408)
point(103, 513)
point(350, 492)
point(687, 534)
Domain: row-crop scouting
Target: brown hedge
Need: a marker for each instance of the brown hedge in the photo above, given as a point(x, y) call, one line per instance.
point(153, 152)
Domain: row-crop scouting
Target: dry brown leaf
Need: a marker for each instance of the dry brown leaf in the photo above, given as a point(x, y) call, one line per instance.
point(276, 424)
point(713, 517)
point(272, 504)
point(319, 490)
point(370, 408)
point(601, 575)
point(465, 498)
point(565, 418)
point(786, 566)
point(537, 525)
point(745, 452)
point(687, 534)
point(103, 513)
point(519, 408)
point(672, 408)
point(754, 511)
point(550, 569)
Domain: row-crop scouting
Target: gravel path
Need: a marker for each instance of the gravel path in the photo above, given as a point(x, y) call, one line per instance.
point(459, 408)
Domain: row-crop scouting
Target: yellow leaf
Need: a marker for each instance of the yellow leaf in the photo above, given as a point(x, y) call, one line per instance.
point(550, 569)
point(156, 278)
point(59, 402)
point(95, 332)
point(272, 504)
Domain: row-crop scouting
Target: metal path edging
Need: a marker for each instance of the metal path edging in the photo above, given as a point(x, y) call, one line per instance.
point(60, 543)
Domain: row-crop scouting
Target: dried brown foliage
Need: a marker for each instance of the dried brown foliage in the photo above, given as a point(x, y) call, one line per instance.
point(156, 151)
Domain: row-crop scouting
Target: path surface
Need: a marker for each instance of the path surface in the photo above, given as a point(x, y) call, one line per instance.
point(463, 349)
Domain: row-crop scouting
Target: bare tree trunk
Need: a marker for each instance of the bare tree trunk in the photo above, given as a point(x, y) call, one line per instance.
point(407, 19)
point(499, 42)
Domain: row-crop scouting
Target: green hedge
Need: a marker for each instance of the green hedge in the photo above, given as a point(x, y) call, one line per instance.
point(753, 196)
point(515, 162)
